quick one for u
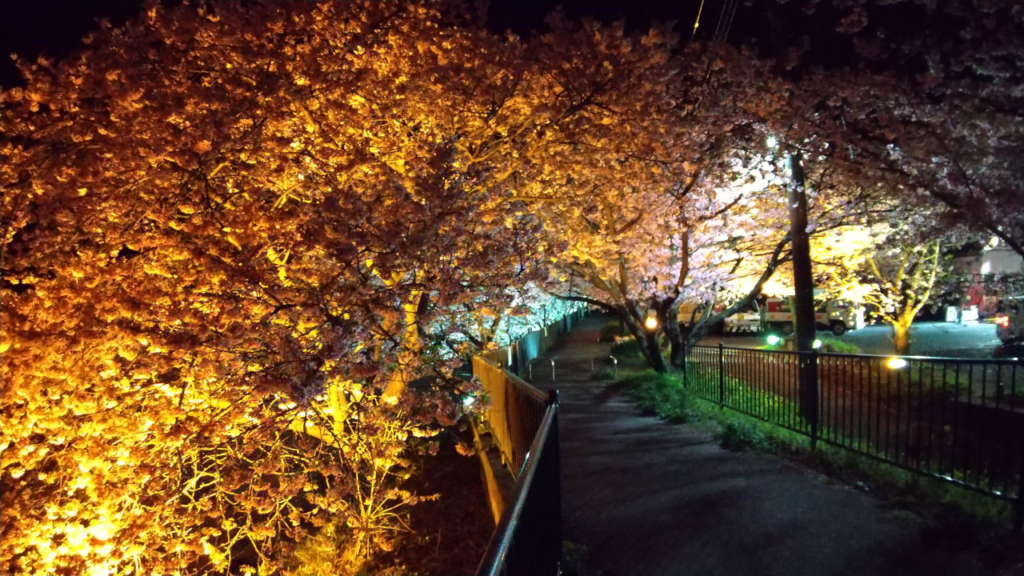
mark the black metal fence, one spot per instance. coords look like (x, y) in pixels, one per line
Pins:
(515, 413)
(958, 420)
(524, 424)
(516, 358)
(528, 538)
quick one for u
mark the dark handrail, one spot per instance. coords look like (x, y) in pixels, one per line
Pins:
(503, 539)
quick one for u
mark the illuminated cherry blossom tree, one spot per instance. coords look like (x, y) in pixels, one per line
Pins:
(224, 231)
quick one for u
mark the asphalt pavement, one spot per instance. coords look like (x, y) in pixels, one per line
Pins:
(646, 498)
(926, 339)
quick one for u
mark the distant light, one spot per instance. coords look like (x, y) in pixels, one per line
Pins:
(896, 363)
(816, 344)
(773, 142)
(468, 401)
(651, 323)
(773, 339)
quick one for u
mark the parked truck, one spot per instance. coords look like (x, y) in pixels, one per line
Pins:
(746, 320)
(839, 316)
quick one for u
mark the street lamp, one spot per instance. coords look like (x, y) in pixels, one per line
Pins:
(651, 323)
(896, 363)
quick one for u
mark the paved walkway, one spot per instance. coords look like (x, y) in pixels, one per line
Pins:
(647, 498)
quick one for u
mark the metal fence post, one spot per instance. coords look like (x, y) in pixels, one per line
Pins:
(816, 409)
(1018, 505)
(684, 363)
(553, 487)
(721, 375)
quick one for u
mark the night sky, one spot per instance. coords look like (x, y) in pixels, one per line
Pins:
(55, 27)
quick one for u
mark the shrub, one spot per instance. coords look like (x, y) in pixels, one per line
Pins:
(661, 395)
(627, 348)
(610, 330)
(834, 346)
(741, 436)
(604, 374)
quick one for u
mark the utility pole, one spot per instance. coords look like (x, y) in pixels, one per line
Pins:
(803, 301)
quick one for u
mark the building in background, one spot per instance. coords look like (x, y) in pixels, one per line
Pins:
(988, 273)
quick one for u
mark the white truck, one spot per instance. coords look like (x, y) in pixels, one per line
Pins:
(839, 316)
(746, 320)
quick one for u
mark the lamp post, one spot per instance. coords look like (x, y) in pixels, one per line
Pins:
(651, 323)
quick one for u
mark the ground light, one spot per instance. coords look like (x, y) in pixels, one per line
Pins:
(651, 323)
(896, 363)
(773, 339)
(816, 344)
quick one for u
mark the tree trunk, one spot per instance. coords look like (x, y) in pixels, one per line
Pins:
(648, 340)
(699, 331)
(654, 351)
(675, 340)
(901, 335)
(668, 318)
(803, 288)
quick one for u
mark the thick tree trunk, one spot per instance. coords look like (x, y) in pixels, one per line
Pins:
(803, 288)
(648, 339)
(701, 329)
(676, 342)
(654, 351)
(901, 334)
(668, 319)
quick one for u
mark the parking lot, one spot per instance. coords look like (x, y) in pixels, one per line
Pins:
(927, 339)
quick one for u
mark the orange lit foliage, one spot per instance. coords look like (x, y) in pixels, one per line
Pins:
(224, 233)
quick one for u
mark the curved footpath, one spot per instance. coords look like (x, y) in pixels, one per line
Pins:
(646, 498)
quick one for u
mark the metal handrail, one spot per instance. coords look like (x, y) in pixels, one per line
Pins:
(519, 382)
(493, 562)
(615, 363)
(529, 368)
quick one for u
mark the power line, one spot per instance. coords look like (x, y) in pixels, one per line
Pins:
(732, 15)
(721, 19)
(725, 18)
(696, 23)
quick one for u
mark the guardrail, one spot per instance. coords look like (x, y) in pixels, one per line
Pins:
(517, 356)
(615, 364)
(515, 412)
(524, 423)
(957, 420)
(529, 368)
(528, 538)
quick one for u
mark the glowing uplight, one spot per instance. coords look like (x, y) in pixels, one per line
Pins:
(468, 401)
(773, 339)
(651, 323)
(896, 363)
(816, 344)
